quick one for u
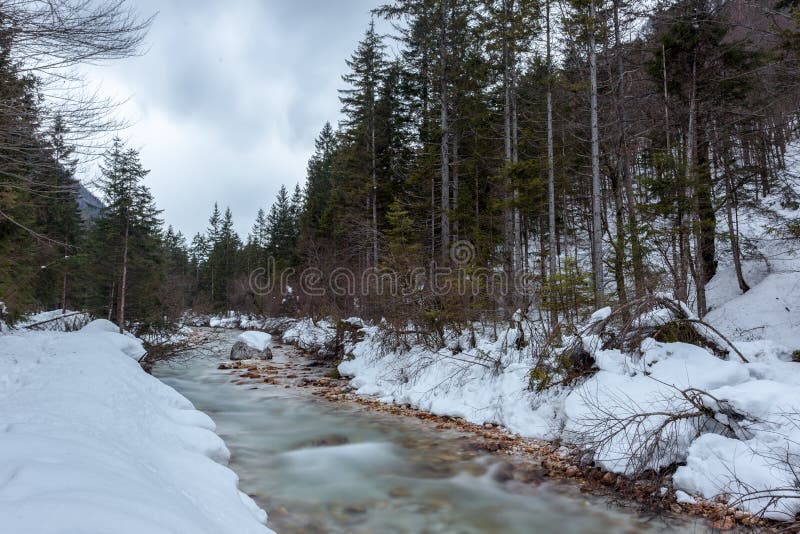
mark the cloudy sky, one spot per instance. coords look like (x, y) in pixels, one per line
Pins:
(229, 97)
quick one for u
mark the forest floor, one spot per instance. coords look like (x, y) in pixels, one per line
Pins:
(525, 460)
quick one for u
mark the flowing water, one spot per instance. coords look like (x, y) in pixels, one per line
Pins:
(319, 466)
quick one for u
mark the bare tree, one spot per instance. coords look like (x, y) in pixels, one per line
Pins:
(45, 41)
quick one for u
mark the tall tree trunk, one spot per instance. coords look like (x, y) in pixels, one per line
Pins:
(123, 280)
(619, 242)
(508, 214)
(374, 184)
(597, 230)
(445, 139)
(551, 182)
(519, 257)
(624, 164)
(64, 281)
(456, 179)
(691, 171)
(731, 205)
(680, 247)
(706, 215)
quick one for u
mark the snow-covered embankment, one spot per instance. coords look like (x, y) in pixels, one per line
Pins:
(90, 443)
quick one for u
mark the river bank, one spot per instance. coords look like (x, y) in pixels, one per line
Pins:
(522, 462)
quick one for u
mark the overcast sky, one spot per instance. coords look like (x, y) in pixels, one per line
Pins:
(229, 97)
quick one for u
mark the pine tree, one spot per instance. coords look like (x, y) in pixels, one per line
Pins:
(359, 102)
(125, 239)
(282, 230)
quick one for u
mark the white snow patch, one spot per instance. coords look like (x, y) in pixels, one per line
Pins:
(92, 444)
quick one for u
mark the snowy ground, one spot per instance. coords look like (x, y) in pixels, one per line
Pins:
(761, 458)
(92, 444)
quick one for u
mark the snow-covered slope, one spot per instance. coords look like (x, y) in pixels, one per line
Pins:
(771, 267)
(90, 443)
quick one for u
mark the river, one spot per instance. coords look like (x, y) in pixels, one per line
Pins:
(321, 466)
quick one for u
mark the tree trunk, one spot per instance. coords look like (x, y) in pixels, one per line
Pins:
(624, 164)
(374, 185)
(551, 187)
(619, 242)
(706, 216)
(518, 255)
(731, 205)
(64, 282)
(445, 140)
(597, 231)
(123, 280)
(456, 178)
(509, 209)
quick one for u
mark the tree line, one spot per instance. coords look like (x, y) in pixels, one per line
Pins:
(599, 149)
(604, 150)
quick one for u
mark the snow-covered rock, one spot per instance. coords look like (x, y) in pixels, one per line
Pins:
(92, 444)
(255, 339)
(243, 351)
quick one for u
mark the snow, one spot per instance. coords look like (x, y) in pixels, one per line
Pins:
(257, 340)
(771, 268)
(455, 385)
(109, 332)
(92, 444)
(719, 465)
(309, 335)
(770, 310)
(489, 384)
(56, 320)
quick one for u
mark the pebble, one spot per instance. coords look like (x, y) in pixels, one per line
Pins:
(609, 478)
(572, 471)
(726, 523)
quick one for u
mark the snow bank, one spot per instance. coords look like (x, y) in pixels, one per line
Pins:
(257, 340)
(92, 444)
(469, 384)
(56, 320)
(308, 335)
(489, 384)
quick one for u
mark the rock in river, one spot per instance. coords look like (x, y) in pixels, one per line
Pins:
(242, 351)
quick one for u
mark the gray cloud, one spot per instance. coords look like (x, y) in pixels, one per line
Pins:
(229, 97)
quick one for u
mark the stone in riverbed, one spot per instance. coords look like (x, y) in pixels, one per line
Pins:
(503, 472)
(242, 351)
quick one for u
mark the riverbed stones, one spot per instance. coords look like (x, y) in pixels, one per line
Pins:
(503, 472)
(242, 351)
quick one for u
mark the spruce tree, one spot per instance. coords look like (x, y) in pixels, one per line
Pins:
(125, 242)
